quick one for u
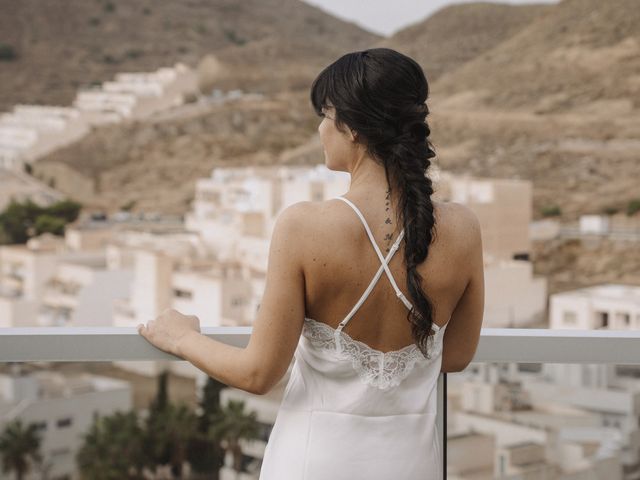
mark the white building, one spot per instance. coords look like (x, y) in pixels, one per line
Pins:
(606, 306)
(513, 296)
(63, 408)
(35, 130)
(540, 429)
(137, 95)
(82, 292)
(32, 131)
(46, 283)
(235, 209)
(594, 224)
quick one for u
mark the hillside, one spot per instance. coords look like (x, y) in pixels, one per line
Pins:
(457, 34)
(556, 102)
(156, 163)
(61, 45)
(582, 56)
(493, 115)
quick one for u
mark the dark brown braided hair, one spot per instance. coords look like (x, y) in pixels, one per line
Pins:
(380, 94)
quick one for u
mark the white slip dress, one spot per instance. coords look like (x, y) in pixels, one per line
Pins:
(352, 412)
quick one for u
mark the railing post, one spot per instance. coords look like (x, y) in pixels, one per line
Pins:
(441, 420)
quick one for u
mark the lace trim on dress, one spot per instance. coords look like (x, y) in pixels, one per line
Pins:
(379, 369)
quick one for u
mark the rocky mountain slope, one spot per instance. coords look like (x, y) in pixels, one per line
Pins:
(460, 33)
(53, 47)
(545, 93)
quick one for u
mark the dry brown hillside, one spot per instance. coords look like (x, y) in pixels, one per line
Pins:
(457, 34)
(555, 103)
(581, 155)
(582, 56)
(61, 45)
(544, 93)
(155, 163)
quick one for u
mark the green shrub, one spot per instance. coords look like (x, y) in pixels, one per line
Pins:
(550, 211)
(128, 206)
(108, 58)
(65, 209)
(7, 52)
(233, 37)
(47, 223)
(610, 210)
(20, 221)
(633, 206)
(134, 53)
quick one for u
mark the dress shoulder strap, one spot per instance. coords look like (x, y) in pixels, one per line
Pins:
(383, 262)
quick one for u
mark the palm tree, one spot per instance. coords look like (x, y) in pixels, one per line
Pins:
(112, 448)
(206, 456)
(158, 447)
(17, 446)
(230, 425)
(181, 426)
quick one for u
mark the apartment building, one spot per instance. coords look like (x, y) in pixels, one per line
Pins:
(514, 297)
(606, 306)
(32, 131)
(63, 408)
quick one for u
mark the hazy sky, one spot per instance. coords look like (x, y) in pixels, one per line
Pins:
(386, 16)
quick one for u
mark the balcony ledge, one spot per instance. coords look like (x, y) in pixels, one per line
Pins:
(101, 344)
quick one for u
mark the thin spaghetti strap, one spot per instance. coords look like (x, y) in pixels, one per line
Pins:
(372, 284)
(399, 293)
(366, 293)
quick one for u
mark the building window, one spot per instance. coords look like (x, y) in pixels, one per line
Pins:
(182, 293)
(40, 426)
(623, 318)
(569, 317)
(602, 319)
(60, 451)
(237, 301)
(64, 422)
(530, 367)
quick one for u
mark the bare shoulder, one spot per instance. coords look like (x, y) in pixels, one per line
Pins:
(293, 221)
(460, 221)
(299, 220)
(296, 212)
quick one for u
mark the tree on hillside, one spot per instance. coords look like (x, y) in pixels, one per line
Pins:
(49, 224)
(21, 220)
(65, 209)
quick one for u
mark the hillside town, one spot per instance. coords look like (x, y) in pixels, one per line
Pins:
(119, 267)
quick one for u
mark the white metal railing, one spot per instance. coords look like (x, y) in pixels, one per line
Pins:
(63, 344)
(67, 344)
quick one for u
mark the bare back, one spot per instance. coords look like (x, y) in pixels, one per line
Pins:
(341, 262)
